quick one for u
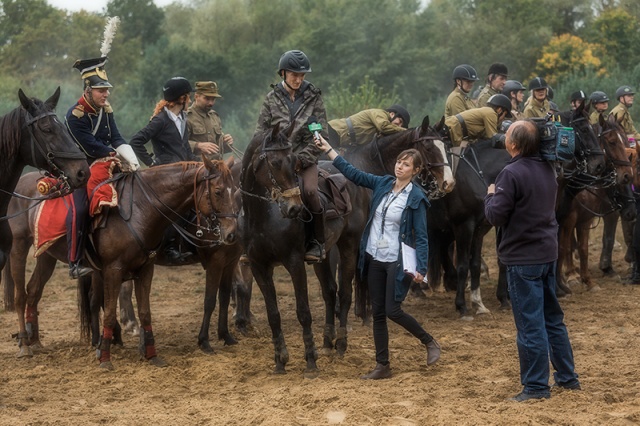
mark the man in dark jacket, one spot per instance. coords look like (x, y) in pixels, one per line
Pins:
(522, 204)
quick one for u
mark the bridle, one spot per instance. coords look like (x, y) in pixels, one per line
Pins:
(213, 219)
(46, 150)
(578, 178)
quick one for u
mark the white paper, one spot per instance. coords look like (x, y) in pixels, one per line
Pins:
(409, 259)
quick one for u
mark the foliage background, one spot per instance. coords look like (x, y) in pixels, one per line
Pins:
(364, 53)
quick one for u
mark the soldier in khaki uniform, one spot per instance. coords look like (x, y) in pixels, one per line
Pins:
(514, 90)
(496, 79)
(538, 103)
(625, 95)
(464, 76)
(600, 103)
(480, 123)
(204, 125)
(362, 127)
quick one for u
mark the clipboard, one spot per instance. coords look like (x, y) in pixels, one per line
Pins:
(409, 259)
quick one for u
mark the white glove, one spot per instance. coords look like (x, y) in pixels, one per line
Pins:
(126, 152)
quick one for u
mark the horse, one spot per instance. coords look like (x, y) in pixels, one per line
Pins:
(31, 134)
(344, 233)
(125, 243)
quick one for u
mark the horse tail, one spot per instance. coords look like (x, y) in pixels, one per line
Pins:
(84, 306)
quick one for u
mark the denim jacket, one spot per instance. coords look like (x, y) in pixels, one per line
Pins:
(413, 227)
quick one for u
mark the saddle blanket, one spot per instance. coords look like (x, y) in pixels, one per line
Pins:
(51, 215)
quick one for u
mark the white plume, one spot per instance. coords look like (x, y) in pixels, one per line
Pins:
(109, 34)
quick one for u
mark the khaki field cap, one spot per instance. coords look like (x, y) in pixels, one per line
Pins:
(207, 88)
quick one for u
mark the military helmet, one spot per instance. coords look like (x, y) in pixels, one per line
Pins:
(512, 86)
(501, 100)
(578, 96)
(465, 72)
(624, 90)
(93, 73)
(538, 83)
(599, 96)
(498, 68)
(401, 111)
(294, 61)
(176, 87)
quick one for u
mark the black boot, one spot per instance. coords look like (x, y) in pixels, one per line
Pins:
(634, 278)
(315, 248)
(76, 270)
(173, 255)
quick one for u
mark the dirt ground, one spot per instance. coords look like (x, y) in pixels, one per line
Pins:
(62, 383)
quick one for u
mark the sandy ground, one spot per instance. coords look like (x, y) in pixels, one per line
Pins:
(62, 383)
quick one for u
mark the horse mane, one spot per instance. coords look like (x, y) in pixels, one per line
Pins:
(10, 135)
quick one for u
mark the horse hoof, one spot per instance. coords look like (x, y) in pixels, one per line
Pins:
(594, 288)
(311, 374)
(505, 306)
(156, 361)
(326, 351)
(206, 348)
(230, 341)
(279, 371)
(25, 352)
(483, 311)
(107, 365)
(466, 317)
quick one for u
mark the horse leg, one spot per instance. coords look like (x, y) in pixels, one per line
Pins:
(17, 263)
(564, 250)
(463, 249)
(242, 286)
(9, 289)
(450, 276)
(627, 233)
(226, 288)
(264, 277)
(45, 266)
(147, 346)
(112, 281)
(299, 279)
(127, 313)
(608, 240)
(475, 267)
(329, 290)
(583, 250)
(348, 264)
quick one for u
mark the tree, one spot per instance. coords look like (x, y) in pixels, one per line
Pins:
(141, 19)
(566, 54)
(619, 34)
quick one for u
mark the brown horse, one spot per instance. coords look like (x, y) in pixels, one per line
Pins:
(150, 200)
(32, 135)
(609, 194)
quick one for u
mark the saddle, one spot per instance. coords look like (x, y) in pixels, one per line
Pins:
(335, 199)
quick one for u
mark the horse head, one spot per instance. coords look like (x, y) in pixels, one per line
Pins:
(434, 153)
(45, 142)
(215, 202)
(588, 149)
(613, 137)
(273, 168)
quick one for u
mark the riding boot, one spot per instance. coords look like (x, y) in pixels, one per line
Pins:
(173, 254)
(76, 270)
(634, 278)
(315, 248)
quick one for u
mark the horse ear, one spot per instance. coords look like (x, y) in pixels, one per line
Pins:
(425, 123)
(230, 161)
(25, 101)
(275, 131)
(438, 127)
(207, 163)
(52, 102)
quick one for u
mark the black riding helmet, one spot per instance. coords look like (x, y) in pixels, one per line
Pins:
(499, 69)
(624, 90)
(294, 61)
(578, 96)
(400, 111)
(538, 83)
(465, 72)
(599, 96)
(500, 100)
(176, 87)
(512, 86)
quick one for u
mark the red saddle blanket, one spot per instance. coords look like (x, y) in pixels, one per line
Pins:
(51, 215)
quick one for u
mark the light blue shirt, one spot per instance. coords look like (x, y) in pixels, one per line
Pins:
(389, 249)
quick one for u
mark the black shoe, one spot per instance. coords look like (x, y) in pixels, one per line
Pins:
(175, 257)
(522, 396)
(433, 352)
(315, 253)
(575, 386)
(380, 372)
(76, 271)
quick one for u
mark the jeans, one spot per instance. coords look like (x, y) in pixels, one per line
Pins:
(542, 334)
(382, 284)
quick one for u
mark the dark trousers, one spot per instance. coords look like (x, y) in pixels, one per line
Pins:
(542, 334)
(382, 283)
(77, 220)
(636, 233)
(310, 196)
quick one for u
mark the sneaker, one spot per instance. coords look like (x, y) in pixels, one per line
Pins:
(76, 271)
(523, 396)
(315, 253)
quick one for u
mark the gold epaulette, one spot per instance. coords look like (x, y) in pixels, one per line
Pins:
(78, 111)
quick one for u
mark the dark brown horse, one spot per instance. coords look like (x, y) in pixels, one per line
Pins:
(344, 233)
(150, 200)
(32, 135)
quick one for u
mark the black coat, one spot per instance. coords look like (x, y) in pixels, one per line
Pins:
(168, 146)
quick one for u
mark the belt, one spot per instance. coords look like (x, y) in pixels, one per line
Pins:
(352, 133)
(463, 125)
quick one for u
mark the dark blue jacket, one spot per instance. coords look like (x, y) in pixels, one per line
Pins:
(523, 206)
(82, 119)
(413, 229)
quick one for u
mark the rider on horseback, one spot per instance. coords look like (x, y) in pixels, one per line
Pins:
(480, 123)
(538, 104)
(464, 76)
(362, 127)
(496, 79)
(600, 103)
(514, 90)
(625, 95)
(291, 103)
(91, 123)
